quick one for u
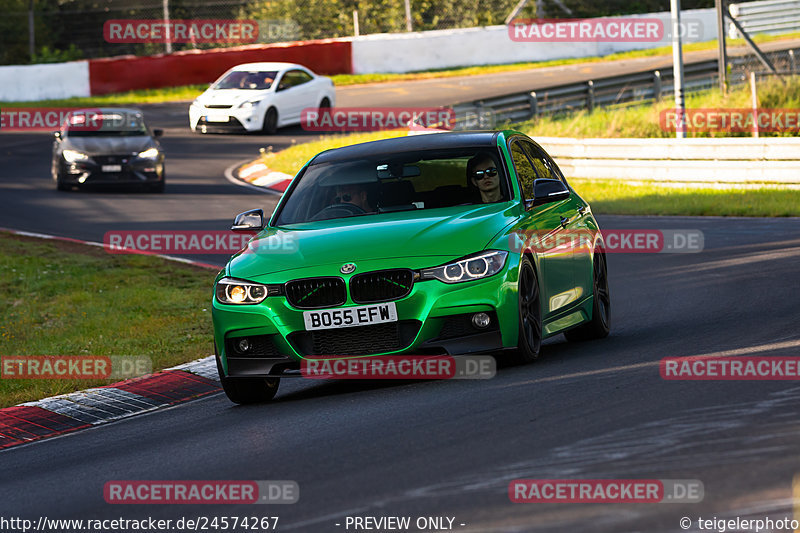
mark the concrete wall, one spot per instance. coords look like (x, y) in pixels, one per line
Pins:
(405, 52)
(43, 82)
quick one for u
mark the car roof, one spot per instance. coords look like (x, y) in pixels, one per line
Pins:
(130, 110)
(400, 145)
(275, 65)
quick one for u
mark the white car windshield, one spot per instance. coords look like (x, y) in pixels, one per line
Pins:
(252, 80)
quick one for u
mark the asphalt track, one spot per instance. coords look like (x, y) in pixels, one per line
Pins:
(589, 410)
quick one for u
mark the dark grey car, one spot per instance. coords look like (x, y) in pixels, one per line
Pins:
(108, 146)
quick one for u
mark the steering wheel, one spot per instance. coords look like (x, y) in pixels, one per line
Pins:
(331, 211)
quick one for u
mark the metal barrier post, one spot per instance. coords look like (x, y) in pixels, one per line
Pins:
(657, 85)
(533, 101)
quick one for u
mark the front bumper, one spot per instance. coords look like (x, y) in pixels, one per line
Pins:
(131, 171)
(236, 119)
(435, 318)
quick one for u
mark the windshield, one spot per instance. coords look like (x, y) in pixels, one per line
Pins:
(397, 182)
(253, 80)
(105, 124)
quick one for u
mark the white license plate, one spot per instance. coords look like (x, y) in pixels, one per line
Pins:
(345, 317)
(112, 168)
(217, 118)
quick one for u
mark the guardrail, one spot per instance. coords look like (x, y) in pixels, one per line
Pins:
(627, 89)
(765, 16)
(734, 160)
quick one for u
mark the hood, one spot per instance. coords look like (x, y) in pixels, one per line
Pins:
(110, 145)
(448, 232)
(231, 97)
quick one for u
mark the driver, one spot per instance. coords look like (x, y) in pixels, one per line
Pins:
(354, 194)
(482, 174)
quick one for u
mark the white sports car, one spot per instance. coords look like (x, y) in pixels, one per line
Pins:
(260, 97)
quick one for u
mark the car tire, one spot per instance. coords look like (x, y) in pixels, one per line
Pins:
(158, 187)
(270, 125)
(324, 104)
(247, 390)
(529, 343)
(61, 186)
(600, 324)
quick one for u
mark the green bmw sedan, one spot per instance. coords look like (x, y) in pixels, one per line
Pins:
(451, 243)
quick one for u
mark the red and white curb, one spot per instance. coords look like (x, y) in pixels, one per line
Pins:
(66, 413)
(256, 175)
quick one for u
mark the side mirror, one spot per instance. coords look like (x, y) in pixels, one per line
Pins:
(252, 220)
(546, 191)
(158, 132)
(57, 135)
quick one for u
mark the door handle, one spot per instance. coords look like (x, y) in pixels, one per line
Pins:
(564, 222)
(582, 210)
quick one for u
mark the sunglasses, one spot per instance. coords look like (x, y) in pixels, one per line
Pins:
(346, 197)
(487, 173)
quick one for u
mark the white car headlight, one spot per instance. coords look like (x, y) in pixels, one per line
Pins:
(72, 156)
(249, 104)
(472, 267)
(150, 153)
(236, 292)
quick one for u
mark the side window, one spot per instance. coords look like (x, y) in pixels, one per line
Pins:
(286, 82)
(525, 172)
(302, 77)
(545, 167)
(293, 78)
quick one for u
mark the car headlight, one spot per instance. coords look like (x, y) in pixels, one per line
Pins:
(249, 104)
(71, 156)
(150, 153)
(232, 291)
(477, 266)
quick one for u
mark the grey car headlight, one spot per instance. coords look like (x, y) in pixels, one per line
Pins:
(249, 104)
(238, 292)
(150, 153)
(71, 156)
(472, 267)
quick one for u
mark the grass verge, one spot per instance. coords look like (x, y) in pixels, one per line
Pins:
(190, 92)
(644, 120)
(292, 159)
(618, 197)
(61, 298)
